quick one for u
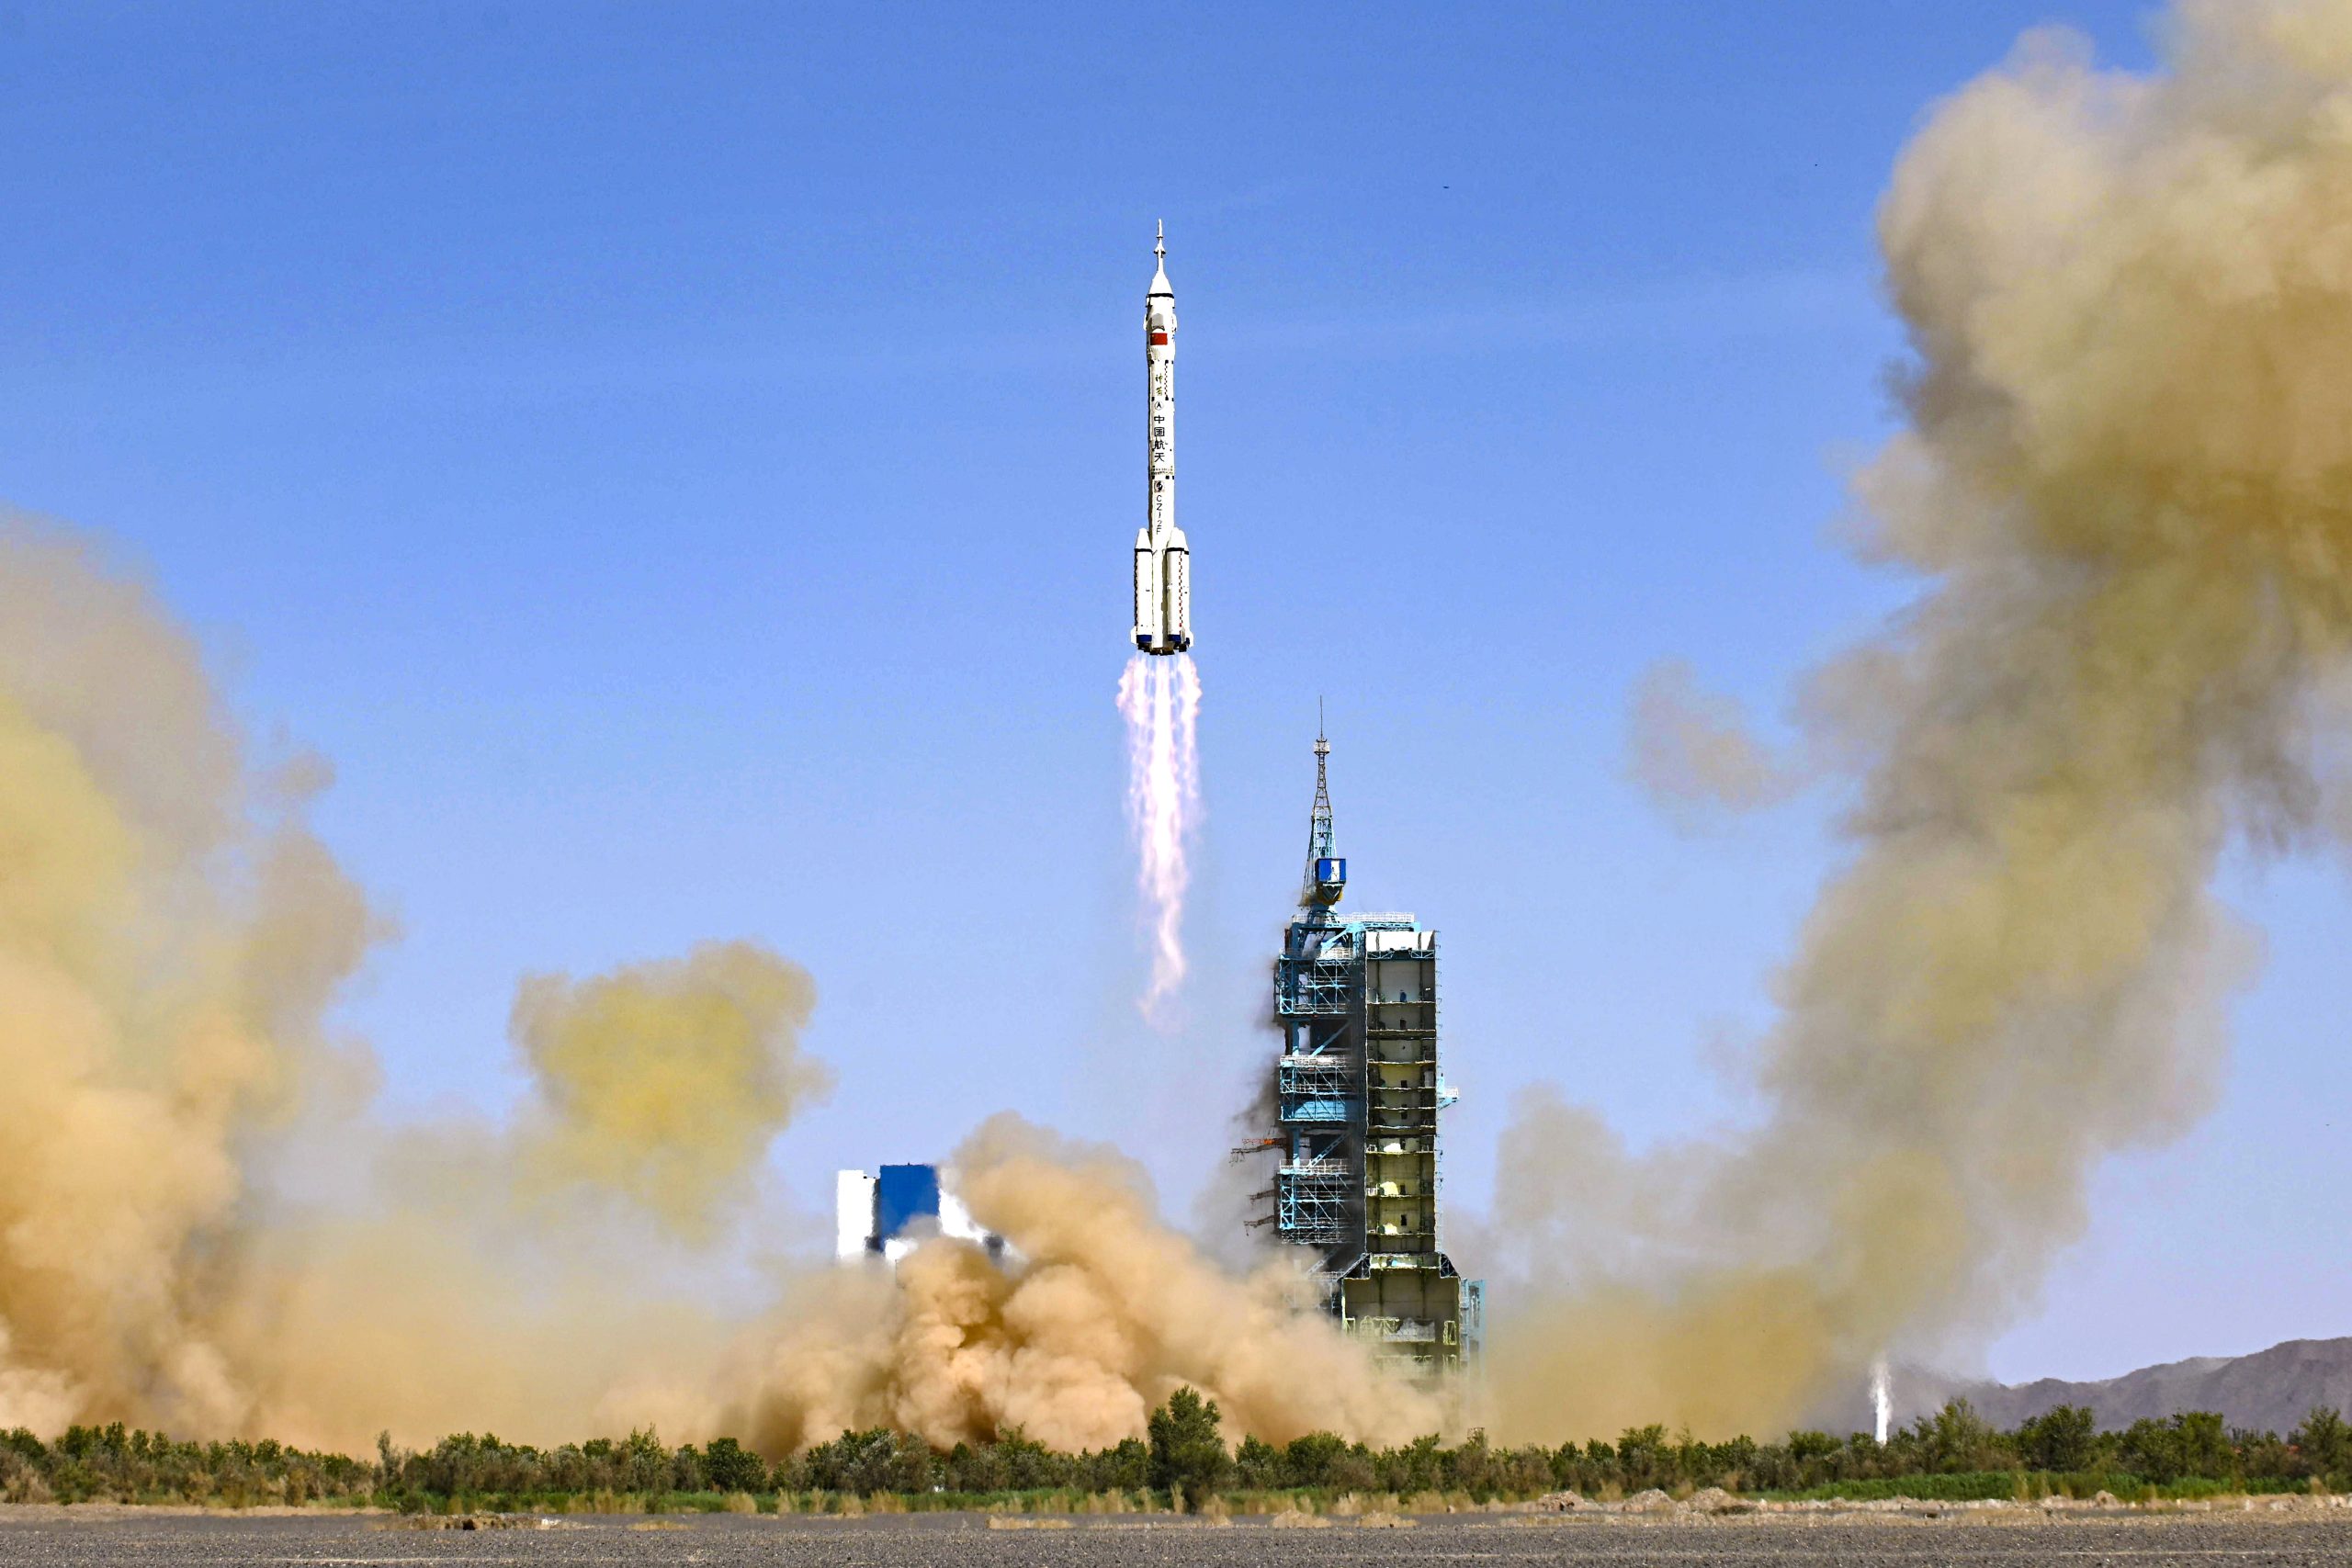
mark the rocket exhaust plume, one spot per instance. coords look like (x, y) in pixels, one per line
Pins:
(1161, 699)
(2126, 486)
(1882, 1399)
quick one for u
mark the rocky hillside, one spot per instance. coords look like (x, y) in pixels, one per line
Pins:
(2270, 1389)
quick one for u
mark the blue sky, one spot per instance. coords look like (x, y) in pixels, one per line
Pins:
(679, 462)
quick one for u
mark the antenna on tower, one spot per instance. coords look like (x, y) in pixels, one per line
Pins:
(1320, 841)
(1327, 874)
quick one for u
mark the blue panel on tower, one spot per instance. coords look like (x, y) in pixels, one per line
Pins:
(1330, 869)
(903, 1194)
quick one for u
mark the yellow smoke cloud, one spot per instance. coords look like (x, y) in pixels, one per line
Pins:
(1692, 751)
(550, 1279)
(201, 1226)
(171, 937)
(667, 1082)
(1103, 1314)
(164, 945)
(2128, 481)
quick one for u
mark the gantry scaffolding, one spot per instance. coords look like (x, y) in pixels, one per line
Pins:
(1358, 1094)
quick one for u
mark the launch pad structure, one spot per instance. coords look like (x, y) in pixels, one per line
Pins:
(1358, 1091)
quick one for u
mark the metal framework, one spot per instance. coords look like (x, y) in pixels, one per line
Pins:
(1312, 984)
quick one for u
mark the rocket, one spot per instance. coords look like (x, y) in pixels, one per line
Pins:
(1163, 564)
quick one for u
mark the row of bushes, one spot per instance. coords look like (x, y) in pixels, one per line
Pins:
(1952, 1453)
(106, 1462)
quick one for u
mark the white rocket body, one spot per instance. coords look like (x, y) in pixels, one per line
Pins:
(1163, 564)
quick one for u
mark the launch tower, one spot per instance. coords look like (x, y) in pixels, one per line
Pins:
(1359, 1093)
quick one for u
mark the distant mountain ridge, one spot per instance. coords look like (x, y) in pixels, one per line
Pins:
(2270, 1390)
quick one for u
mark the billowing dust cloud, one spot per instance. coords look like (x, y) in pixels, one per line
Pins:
(2127, 481)
(1692, 750)
(667, 1080)
(204, 1228)
(1106, 1314)
(167, 938)
(558, 1275)
(170, 937)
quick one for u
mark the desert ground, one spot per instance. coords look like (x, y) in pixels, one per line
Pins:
(88, 1536)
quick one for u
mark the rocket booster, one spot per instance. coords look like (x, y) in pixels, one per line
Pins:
(1163, 564)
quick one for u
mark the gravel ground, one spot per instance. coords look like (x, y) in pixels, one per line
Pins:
(147, 1538)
